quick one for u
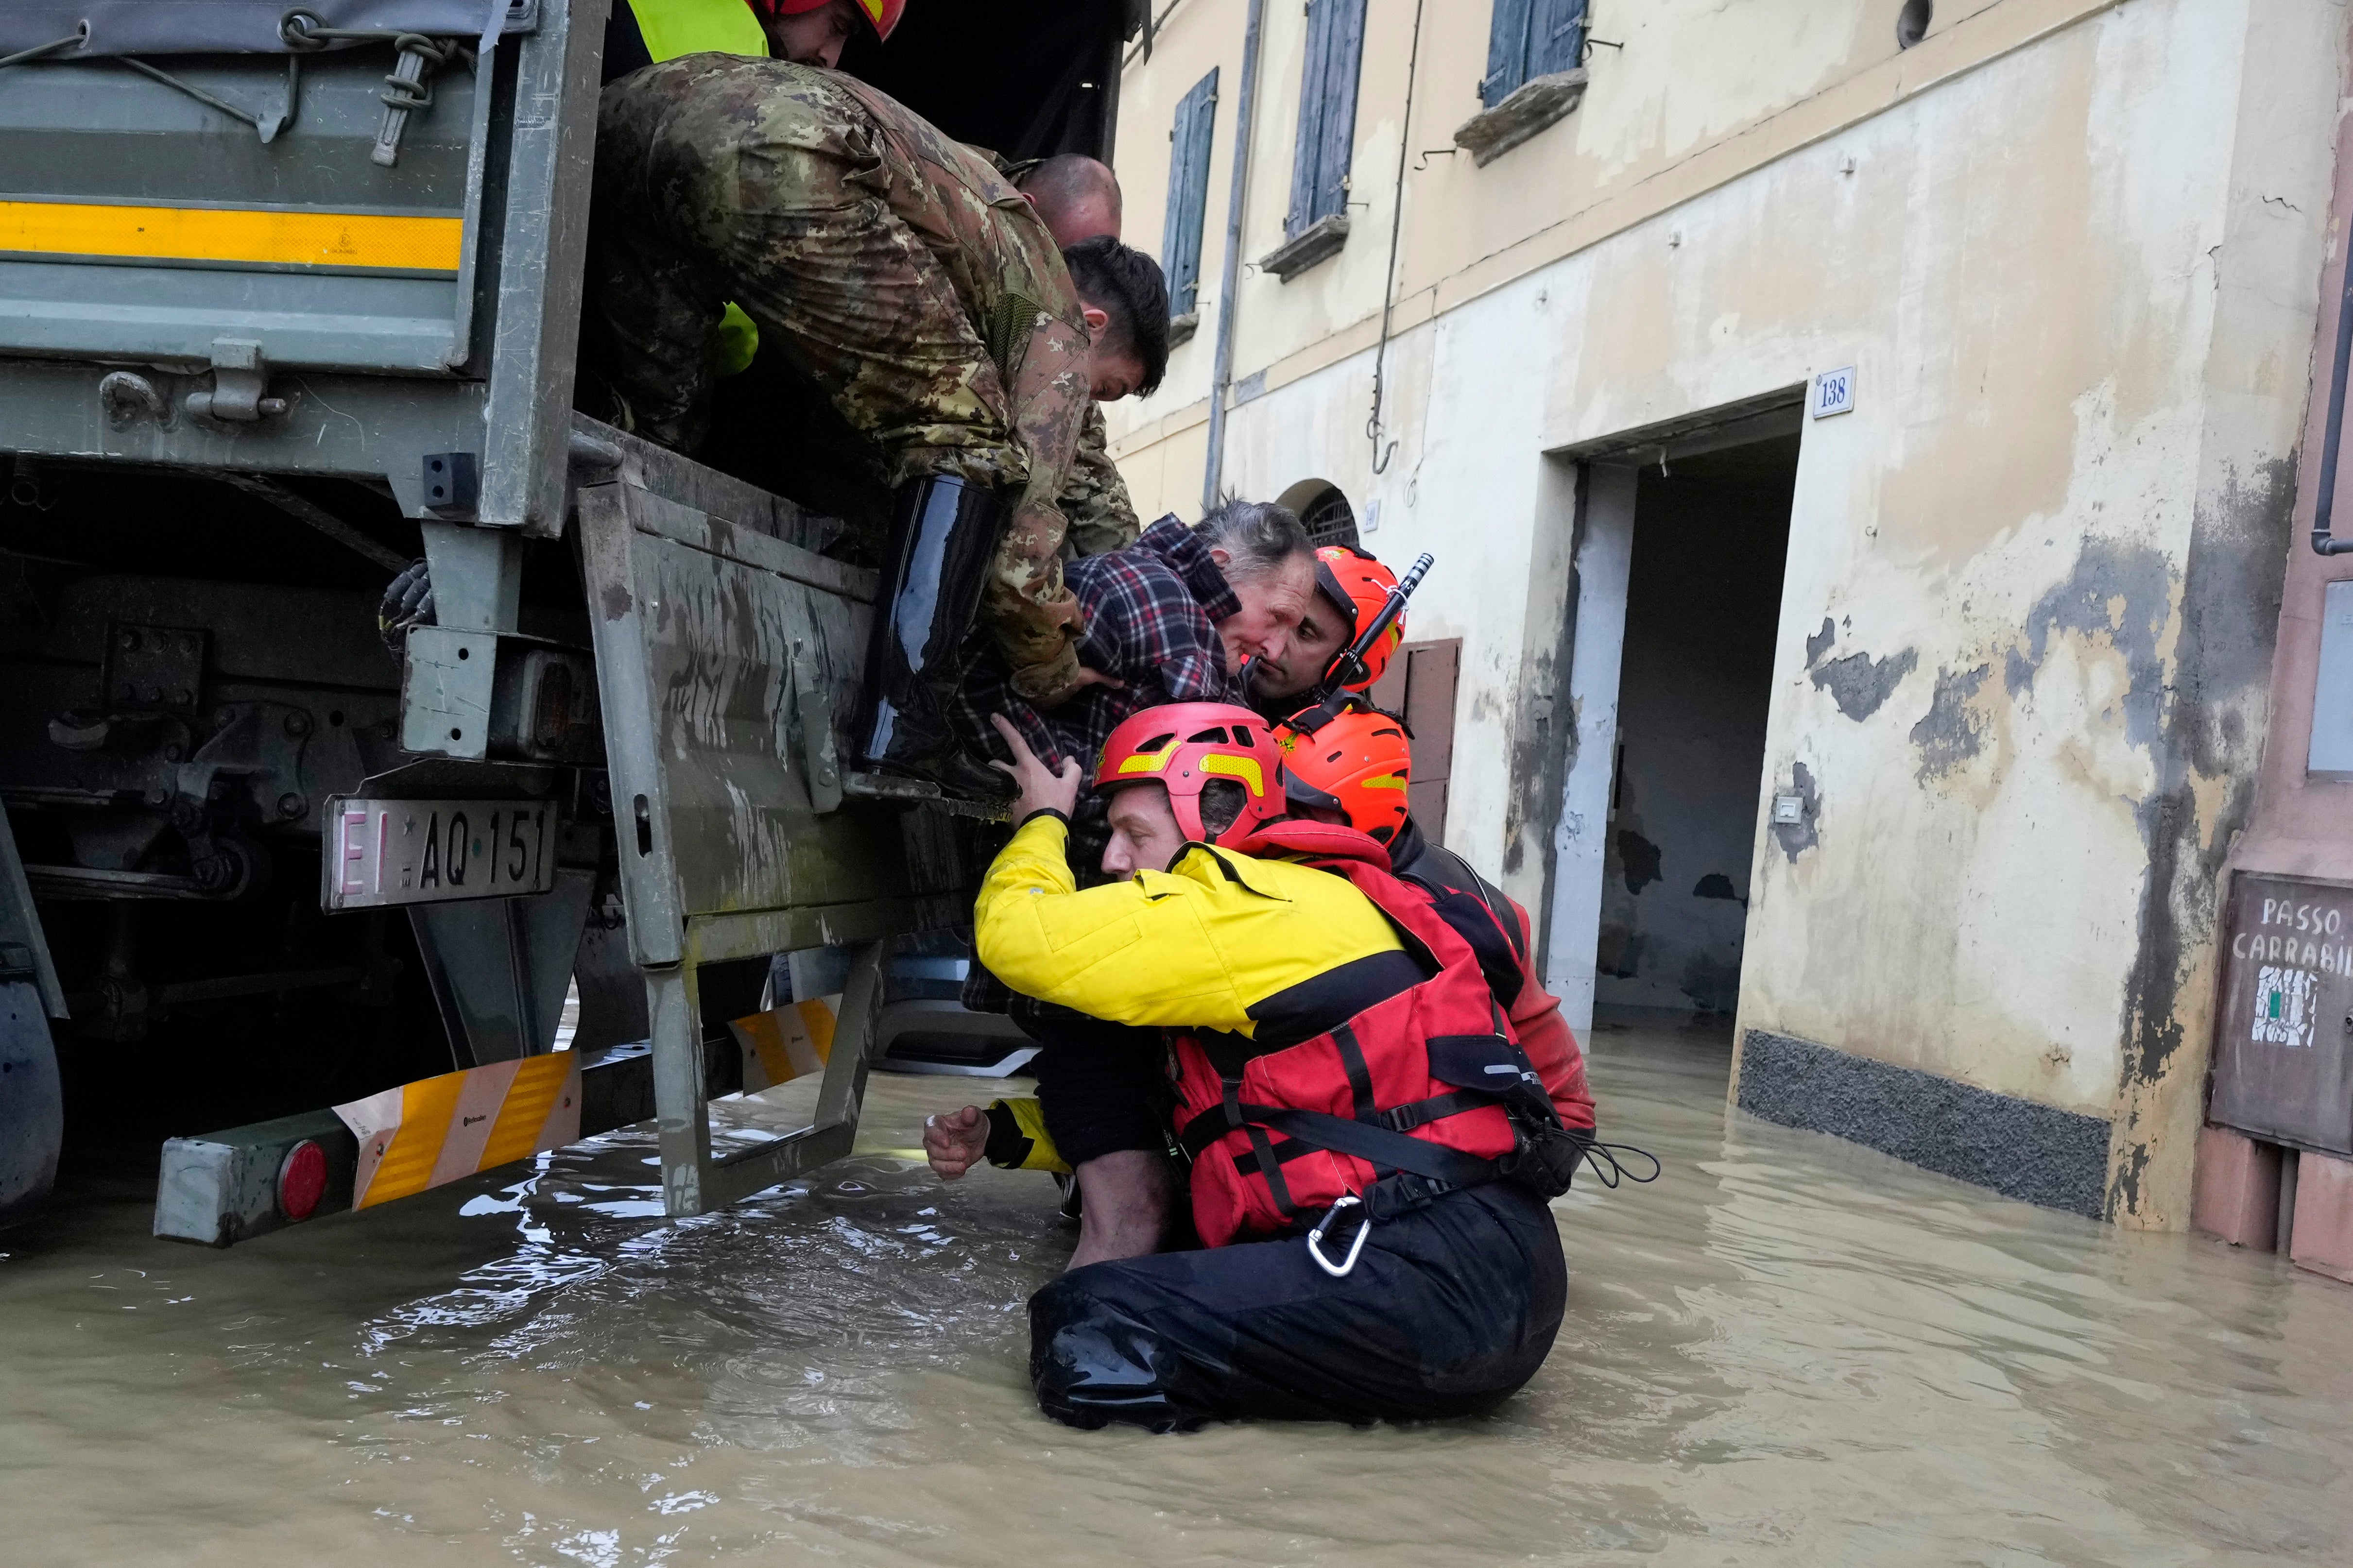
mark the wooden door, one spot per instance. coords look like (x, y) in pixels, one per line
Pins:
(1420, 684)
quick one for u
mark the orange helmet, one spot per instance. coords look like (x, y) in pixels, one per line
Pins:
(1186, 745)
(883, 15)
(1359, 585)
(1349, 757)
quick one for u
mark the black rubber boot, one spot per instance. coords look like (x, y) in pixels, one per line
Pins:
(943, 533)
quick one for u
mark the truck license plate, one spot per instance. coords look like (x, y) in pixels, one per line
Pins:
(381, 852)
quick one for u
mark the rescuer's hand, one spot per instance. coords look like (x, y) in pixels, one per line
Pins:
(1079, 682)
(955, 1142)
(1037, 787)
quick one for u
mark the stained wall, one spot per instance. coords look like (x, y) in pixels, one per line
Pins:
(2074, 251)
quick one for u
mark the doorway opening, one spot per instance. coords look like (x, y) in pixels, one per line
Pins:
(1710, 536)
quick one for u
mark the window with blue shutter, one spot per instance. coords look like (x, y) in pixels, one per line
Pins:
(1188, 195)
(1530, 38)
(1327, 112)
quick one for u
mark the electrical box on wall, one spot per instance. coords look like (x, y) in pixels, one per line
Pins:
(2332, 695)
(2284, 1028)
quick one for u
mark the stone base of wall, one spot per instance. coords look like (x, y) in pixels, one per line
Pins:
(2235, 1193)
(2035, 1154)
(2321, 1238)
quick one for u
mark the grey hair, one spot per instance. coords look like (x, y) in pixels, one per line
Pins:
(1258, 536)
(1221, 804)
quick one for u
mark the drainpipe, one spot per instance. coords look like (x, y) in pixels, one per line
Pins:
(2324, 506)
(1396, 229)
(1222, 381)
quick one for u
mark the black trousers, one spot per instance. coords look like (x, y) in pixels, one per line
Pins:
(1448, 1309)
(1101, 1087)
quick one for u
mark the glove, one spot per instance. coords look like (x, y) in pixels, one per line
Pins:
(1018, 1138)
(407, 602)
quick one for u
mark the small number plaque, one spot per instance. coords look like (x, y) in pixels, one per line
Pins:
(1833, 393)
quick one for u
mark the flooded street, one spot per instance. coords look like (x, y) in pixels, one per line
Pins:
(1788, 1350)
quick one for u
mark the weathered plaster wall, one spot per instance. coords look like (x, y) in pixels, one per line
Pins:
(2078, 279)
(1699, 94)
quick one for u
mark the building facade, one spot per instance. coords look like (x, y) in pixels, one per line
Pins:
(1860, 442)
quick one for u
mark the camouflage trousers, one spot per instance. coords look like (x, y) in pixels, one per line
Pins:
(900, 294)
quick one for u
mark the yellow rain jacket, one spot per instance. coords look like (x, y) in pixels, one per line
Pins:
(1210, 943)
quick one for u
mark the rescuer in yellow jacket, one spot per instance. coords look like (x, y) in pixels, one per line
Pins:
(1231, 939)
(1398, 1264)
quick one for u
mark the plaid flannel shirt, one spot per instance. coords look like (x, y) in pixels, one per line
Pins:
(1152, 614)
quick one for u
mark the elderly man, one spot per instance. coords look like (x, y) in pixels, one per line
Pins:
(1171, 618)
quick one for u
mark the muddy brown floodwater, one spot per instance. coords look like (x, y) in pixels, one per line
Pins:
(1789, 1351)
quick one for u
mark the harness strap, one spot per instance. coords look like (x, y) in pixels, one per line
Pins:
(1363, 1140)
(1272, 1170)
(1402, 1119)
(1422, 1112)
(1360, 1075)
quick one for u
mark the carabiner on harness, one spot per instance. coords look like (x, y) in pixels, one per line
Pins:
(1315, 1237)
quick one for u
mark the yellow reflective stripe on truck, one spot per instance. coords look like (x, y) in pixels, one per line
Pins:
(295, 237)
(436, 1130)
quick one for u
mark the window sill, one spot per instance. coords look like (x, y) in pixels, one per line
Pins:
(1322, 238)
(1532, 106)
(1182, 327)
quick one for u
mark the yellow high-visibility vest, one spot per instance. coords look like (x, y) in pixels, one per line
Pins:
(675, 28)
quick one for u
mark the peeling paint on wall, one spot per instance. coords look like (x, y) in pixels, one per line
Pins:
(1949, 734)
(1637, 858)
(1859, 684)
(1541, 753)
(1716, 885)
(2121, 593)
(2229, 615)
(1819, 642)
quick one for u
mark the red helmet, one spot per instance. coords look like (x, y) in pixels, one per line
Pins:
(1359, 585)
(1349, 757)
(883, 15)
(1185, 745)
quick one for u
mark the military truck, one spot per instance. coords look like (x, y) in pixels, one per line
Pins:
(289, 296)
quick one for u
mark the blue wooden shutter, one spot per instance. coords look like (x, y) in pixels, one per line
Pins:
(1188, 194)
(1507, 50)
(1556, 37)
(1328, 111)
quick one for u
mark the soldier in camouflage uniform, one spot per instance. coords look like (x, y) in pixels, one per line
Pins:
(911, 285)
(1078, 198)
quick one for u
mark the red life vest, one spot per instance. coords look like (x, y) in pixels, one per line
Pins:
(1279, 1135)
